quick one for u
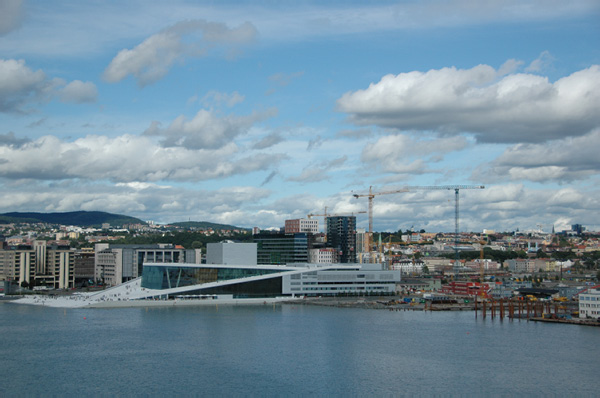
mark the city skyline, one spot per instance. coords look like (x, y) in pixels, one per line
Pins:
(250, 113)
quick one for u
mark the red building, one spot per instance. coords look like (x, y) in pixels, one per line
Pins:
(466, 289)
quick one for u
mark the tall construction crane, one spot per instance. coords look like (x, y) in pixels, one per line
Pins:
(318, 215)
(456, 189)
(371, 195)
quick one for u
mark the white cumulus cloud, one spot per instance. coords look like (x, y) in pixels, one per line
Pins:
(21, 88)
(517, 107)
(204, 130)
(125, 158)
(403, 154)
(79, 92)
(20, 85)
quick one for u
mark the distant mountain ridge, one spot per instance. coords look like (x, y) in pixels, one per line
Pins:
(97, 218)
(79, 218)
(204, 225)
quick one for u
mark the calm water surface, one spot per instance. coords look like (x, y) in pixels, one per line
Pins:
(289, 350)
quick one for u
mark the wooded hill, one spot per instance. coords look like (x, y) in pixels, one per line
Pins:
(79, 218)
(204, 225)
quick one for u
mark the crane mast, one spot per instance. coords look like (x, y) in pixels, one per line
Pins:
(371, 195)
(456, 189)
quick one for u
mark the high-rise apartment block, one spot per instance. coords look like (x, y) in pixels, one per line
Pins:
(341, 235)
(38, 264)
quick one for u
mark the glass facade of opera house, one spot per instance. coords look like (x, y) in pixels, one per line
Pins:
(269, 281)
(221, 280)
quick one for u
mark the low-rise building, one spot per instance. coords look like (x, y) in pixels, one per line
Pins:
(589, 303)
(307, 225)
(407, 286)
(409, 266)
(461, 288)
(323, 255)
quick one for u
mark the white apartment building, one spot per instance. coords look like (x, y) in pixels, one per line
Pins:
(408, 266)
(589, 304)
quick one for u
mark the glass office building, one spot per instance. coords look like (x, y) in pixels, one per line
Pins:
(280, 249)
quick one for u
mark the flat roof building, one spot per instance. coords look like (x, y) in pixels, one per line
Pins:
(307, 225)
(589, 303)
(231, 253)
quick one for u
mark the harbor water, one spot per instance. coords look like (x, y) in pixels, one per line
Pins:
(291, 349)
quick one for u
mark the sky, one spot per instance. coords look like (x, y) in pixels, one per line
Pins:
(253, 112)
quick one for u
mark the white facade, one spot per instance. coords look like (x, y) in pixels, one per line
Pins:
(231, 253)
(589, 304)
(409, 266)
(297, 279)
(334, 279)
(326, 255)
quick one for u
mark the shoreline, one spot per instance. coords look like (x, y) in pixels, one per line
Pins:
(77, 302)
(376, 303)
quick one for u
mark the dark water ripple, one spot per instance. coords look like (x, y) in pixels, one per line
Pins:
(288, 350)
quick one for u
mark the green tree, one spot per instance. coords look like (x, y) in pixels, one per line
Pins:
(564, 255)
(541, 254)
